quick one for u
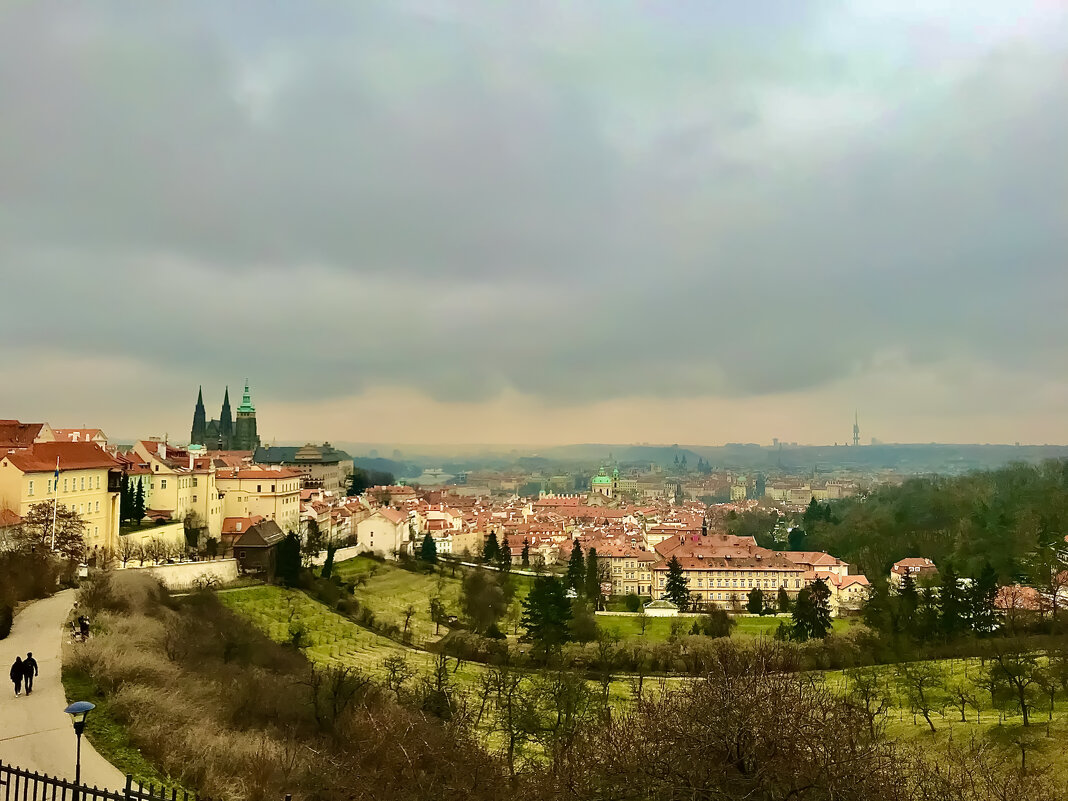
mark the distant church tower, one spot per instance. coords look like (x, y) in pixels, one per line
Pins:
(245, 437)
(856, 429)
(200, 421)
(226, 422)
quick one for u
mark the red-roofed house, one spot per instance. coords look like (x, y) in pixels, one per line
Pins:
(14, 434)
(88, 483)
(915, 566)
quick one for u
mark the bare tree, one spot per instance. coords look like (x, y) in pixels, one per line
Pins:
(398, 673)
(128, 549)
(868, 691)
(409, 613)
(1020, 672)
(924, 686)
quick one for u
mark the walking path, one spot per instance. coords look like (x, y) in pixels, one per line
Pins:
(35, 732)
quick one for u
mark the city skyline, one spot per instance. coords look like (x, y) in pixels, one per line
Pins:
(446, 223)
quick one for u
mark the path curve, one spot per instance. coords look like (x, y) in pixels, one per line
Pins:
(35, 732)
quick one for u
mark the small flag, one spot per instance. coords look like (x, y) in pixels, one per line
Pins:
(57, 468)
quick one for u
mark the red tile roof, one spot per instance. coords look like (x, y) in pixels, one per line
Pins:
(41, 457)
(9, 518)
(14, 434)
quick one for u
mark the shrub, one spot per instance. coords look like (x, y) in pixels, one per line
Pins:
(7, 615)
(633, 602)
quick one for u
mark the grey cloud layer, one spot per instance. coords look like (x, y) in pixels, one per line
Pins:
(577, 204)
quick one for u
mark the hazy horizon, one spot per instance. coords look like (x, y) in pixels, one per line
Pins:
(443, 222)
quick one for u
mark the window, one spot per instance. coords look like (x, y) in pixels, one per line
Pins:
(49, 486)
(194, 499)
(272, 487)
(83, 483)
(259, 487)
(30, 491)
(194, 481)
(98, 506)
(65, 487)
(98, 482)
(163, 483)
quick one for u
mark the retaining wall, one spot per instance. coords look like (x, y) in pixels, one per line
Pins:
(181, 575)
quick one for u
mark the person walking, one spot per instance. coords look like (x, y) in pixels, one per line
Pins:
(29, 670)
(16, 675)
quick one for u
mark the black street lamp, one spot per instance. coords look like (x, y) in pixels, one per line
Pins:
(78, 712)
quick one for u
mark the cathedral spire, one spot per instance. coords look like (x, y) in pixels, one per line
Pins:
(200, 422)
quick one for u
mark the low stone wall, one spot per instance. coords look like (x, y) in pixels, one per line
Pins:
(181, 575)
(340, 555)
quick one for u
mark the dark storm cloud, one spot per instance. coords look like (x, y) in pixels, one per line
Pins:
(577, 204)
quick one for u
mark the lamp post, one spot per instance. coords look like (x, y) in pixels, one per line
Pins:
(78, 712)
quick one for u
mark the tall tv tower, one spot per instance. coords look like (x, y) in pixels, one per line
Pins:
(856, 429)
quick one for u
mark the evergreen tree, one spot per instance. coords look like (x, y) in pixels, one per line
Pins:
(982, 616)
(783, 600)
(576, 570)
(755, 602)
(812, 514)
(139, 502)
(491, 548)
(428, 550)
(504, 555)
(878, 609)
(796, 539)
(927, 623)
(953, 603)
(287, 560)
(593, 579)
(910, 603)
(546, 613)
(126, 499)
(676, 588)
(812, 613)
(524, 557)
(328, 565)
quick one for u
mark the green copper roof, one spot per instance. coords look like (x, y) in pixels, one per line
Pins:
(246, 402)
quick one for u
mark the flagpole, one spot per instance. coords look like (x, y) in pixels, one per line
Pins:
(55, 503)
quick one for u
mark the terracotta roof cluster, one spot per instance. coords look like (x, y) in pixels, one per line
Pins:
(41, 457)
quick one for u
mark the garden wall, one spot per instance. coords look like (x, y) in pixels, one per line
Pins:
(180, 576)
(340, 555)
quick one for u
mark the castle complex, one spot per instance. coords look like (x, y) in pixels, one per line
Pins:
(226, 434)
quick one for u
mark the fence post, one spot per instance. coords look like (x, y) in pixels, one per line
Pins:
(129, 786)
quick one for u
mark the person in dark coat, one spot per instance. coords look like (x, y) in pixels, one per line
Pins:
(16, 675)
(29, 670)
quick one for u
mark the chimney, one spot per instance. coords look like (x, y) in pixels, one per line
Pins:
(161, 448)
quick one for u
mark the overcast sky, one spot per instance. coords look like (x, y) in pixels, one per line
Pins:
(432, 221)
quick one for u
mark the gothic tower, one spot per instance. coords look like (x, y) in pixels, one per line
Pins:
(226, 423)
(856, 429)
(200, 421)
(245, 437)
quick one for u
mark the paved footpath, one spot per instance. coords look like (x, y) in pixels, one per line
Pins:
(35, 732)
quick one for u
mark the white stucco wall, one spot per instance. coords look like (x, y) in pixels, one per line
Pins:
(181, 576)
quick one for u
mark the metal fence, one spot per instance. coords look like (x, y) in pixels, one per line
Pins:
(17, 784)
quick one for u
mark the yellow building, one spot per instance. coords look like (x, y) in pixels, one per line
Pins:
(269, 492)
(176, 484)
(726, 581)
(630, 567)
(88, 484)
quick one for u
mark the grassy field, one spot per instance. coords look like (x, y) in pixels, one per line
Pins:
(658, 629)
(332, 639)
(389, 590)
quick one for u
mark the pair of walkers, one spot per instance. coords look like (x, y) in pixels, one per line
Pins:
(23, 670)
